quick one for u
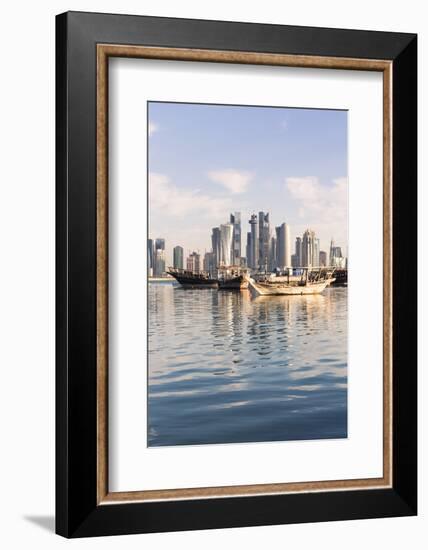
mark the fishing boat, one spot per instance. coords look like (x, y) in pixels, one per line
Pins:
(306, 281)
(232, 278)
(192, 279)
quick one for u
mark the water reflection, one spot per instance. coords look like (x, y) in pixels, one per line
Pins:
(224, 367)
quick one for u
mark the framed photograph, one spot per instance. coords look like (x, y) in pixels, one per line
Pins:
(236, 274)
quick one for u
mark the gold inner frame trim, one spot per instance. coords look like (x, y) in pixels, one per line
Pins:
(104, 51)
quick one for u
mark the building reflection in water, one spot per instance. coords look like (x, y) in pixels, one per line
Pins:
(224, 367)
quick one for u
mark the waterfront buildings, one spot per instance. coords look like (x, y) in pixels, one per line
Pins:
(209, 264)
(254, 242)
(308, 248)
(283, 254)
(316, 255)
(226, 237)
(150, 258)
(178, 254)
(310, 251)
(193, 262)
(160, 244)
(264, 239)
(264, 249)
(298, 252)
(235, 220)
(215, 243)
(156, 258)
(159, 263)
(336, 257)
(248, 250)
(273, 257)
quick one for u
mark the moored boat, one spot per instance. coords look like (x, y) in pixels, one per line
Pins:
(232, 278)
(239, 282)
(309, 281)
(191, 279)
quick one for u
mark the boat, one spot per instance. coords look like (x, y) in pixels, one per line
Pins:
(192, 279)
(232, 278)
(341, 277)
(307, 281)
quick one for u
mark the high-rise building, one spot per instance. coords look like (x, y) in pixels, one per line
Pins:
(273, 253)
(254, 242)
(283, 254)
(235, 220)
(193, 262)
(316, 253)
(160, 244)
(159, 263)
(336, 257)
(308, 248)
(209, 265)
(298, 252)
(178, 253)
(248, 250)
(215, 242)
(264, 239)
(150, 258)
(226, 235)
(323, 258)
(295, 261)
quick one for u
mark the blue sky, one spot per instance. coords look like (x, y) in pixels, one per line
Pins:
(206, 161)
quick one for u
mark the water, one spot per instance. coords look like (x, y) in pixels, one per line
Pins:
(227, 368)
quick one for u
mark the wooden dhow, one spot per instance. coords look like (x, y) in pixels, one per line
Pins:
(232, 278)
(191, 279)
(307, 281)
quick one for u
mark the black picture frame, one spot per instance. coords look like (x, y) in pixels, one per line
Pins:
(77, 511)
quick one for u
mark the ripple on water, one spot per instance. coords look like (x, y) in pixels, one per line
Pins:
(226, 368)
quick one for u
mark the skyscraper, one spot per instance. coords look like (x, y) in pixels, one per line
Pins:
(316, 253)
(298, 252)
(158, 257)
(226, 235)
(323, 258)
(248, 250)
(159, 262)
(254, 242)
(215, 242)
(308, 248)
(209, 266)
(264, 238)
(273, 253)
(283, 255)
(178, 257)
(160, 244)
(150, 258)
(336, 258)
(235, 220)
(193, 262)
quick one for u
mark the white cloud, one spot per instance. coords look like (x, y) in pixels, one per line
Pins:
(234, 181)
(166, 197)
(324, 207)
(153, 127)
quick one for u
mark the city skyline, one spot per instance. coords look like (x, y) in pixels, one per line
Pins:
(267, 246)
(207, 161)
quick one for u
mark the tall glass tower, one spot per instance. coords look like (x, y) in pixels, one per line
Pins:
(283, 247)
(254, 242)
(226, 236)
(264, 238)
(235, 220)
(178, 257)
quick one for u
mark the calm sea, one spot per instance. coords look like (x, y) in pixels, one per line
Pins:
(226, 368)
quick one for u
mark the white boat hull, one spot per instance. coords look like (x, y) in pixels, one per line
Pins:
(278, 289)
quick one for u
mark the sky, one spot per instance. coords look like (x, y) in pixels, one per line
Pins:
(207, 161)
